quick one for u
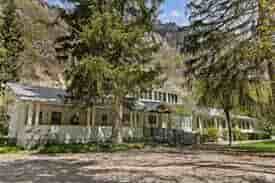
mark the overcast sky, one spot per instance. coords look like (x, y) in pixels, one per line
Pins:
(172, 11)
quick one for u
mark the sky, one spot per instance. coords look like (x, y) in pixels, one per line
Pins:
(174, 11)
(171, 11)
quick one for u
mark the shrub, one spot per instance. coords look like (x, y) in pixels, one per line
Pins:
(210, 135)
(264, 136)
(259, 136)
(239, 136)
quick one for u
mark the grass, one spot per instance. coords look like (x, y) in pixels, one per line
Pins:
(89, 148)
(7, 149)
(258, 147)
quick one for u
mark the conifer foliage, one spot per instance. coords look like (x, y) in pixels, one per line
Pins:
(109, 51)
(11, 44)
(229, 43)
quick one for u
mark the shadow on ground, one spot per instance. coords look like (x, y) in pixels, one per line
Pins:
(135, 168)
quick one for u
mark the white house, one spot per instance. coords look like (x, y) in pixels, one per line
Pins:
(39, 114)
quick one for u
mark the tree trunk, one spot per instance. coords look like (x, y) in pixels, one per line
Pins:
(117, 124)
(228, 120)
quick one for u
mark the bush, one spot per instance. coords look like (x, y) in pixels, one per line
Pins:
(210, 135)
(264, 136)
(259, 136)
(239, 136)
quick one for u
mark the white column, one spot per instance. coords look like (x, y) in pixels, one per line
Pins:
(37, 112)
(30, 114)
(153, 95)
(131, 119)
(220, 125)
(89, 117)
(216, 123)
(93, 115)
(200, 124)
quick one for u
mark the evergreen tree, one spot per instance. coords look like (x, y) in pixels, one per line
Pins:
(229, 41)
(11, 44)
(110, 49)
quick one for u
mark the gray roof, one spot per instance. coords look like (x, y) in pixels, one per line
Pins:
(36, 93)
(57, 96)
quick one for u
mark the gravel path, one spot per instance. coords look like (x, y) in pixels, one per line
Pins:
(137, 167)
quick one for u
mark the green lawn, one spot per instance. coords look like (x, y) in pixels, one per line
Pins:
(258, 147)
(10, 149)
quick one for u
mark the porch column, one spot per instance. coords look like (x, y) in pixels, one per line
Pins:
(135, 120)
(30, 114)
(220, 125)
(132, 119)
(37, 113)
(200, 124)
(216, 123)
(89, 117)
(93, 115)
(142, 120)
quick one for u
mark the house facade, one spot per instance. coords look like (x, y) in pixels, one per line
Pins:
(39, 114)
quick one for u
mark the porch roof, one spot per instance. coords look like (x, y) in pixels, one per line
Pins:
(58, 96)
(213, 112)
(36, 93)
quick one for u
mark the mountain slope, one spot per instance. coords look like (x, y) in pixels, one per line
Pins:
(39, 65)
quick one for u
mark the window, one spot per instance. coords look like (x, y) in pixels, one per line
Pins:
(150, 95)
(159, 96)
(41, 118)
(126, 119)
(137, 118)
(247, 125)
(56, 118)
(75, 119)
(176, 99)
(155, 95)
(104, 120)
(152, 120)
(164, 97)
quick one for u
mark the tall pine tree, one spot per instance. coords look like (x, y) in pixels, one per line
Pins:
(109, 51)
(229, 41)
(11, 44)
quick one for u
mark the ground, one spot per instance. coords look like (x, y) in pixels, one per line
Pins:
(146, 166)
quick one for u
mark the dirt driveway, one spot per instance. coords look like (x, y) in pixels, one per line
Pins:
(138, 167)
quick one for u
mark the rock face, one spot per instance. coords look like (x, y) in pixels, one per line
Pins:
(39, 65)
